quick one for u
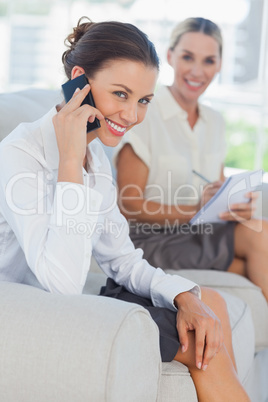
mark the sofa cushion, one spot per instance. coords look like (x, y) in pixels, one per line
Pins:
(176, 384)
(243, 333)
(94, 282)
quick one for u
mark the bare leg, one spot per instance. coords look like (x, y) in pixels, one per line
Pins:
(219, 383)
(238, 266)
(217, 304)
(251, 252)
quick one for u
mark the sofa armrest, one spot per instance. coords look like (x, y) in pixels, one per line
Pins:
(238, 286)
(75, 348)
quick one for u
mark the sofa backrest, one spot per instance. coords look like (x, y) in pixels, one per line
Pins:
(29, 105)
(25, 106)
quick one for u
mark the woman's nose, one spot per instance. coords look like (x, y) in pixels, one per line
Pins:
(197, 69)
(129, 114)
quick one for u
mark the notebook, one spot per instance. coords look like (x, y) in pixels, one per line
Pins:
(231, 192)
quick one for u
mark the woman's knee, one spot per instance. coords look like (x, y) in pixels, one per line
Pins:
(244, 231)
(211, 296)
(249, 236)
(216, 302)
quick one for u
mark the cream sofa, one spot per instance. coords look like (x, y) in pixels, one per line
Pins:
(58, 348)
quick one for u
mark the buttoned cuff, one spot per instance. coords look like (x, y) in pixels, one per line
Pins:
(166, 287)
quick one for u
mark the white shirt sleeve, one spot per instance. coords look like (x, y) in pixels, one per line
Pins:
(40, 216)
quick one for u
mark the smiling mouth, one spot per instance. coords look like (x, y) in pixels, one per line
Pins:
(115, 128)
(194, 84)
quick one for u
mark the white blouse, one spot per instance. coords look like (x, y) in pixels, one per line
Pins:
(171, 149)
(50, 230)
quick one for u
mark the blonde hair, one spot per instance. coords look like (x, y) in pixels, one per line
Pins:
(196, 25)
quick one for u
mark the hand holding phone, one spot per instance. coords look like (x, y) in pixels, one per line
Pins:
(68, 91)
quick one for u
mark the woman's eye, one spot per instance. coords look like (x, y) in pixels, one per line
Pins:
(186, 57)
(210, 61)
(144, 101)
(120, 94)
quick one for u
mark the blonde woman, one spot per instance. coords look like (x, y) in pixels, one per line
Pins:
(159, 193)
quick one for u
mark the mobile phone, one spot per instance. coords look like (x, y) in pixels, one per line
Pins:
(68, 90)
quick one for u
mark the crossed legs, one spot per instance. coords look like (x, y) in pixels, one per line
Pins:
(219, 382)
(251, 252)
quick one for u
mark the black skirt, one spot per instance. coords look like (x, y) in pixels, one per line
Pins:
(207, 246)
(164, 318)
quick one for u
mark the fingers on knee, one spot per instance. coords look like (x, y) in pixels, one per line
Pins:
(188, 357)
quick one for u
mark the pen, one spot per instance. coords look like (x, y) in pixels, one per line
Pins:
(201, 176)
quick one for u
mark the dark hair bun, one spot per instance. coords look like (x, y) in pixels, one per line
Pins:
(77, 34)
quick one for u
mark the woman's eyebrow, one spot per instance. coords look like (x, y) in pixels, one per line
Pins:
(125, 88)
(189, 52)
(128, 89)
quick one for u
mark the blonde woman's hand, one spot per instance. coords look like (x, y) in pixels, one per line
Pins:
(209, 191)
(242, 211)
